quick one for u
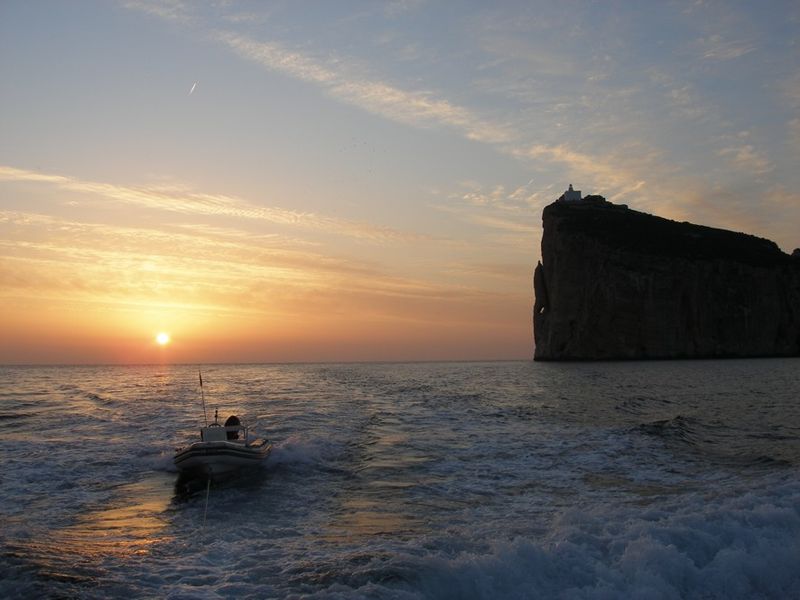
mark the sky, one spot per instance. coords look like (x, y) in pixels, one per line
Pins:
(346, 181)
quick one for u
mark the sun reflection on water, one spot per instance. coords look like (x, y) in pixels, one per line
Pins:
(130, 525)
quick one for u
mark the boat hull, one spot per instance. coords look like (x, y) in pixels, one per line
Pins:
(217, 458)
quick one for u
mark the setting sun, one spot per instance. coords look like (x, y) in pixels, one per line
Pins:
(162, 339)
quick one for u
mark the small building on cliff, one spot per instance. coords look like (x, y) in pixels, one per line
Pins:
(616, 284)
(570, 195)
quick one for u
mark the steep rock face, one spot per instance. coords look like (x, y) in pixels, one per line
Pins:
(615, 283)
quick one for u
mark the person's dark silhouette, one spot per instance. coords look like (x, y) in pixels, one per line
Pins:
(233, 421)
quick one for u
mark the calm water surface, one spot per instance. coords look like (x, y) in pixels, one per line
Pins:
(438, 480)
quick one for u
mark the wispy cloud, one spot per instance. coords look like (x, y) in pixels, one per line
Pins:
(203, 242)
(168, 261)
(500, 219)
(181, 199)
(746, 157)
(497, 196)
(208, 271)
(574, 109)
(608, 175)
(418, 108)
(526, 227)
(170, 10)
(716, 47)
(349, 82)
(395, 8)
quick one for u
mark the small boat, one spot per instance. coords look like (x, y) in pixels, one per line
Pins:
(222, 449)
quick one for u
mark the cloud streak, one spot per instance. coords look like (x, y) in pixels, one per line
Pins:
(607, 173)
(585, 88)
(417, 108)
(423, 109)
(717, 48)
(182, 200)
(746, 157)
(206, 272)
(344, 81)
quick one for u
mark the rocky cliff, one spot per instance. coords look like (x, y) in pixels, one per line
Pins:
(615, 283)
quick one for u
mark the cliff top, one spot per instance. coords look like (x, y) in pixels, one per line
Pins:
(634, 231)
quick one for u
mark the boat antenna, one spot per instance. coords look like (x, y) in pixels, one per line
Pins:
(203, 396)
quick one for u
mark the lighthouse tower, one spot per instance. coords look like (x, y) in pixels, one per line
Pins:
(571, 195)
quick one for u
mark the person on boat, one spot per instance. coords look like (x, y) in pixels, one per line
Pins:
(233, 421)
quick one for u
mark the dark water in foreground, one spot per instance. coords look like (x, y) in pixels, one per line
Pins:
(440, 480)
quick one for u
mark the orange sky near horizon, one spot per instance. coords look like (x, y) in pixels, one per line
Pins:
(92, 337)
(95, 285)
(358, 181)
(82, 292)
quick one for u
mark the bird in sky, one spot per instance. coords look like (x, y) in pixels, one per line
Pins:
(194, 85)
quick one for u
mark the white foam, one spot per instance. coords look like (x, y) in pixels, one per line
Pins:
(300, 450)
(738, 547)
(160, 461)
(415, 492)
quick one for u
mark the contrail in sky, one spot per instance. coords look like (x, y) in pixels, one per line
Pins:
(194, 85)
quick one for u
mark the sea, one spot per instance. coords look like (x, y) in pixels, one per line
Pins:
(674, 479)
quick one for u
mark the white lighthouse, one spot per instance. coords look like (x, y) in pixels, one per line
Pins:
(571, 195)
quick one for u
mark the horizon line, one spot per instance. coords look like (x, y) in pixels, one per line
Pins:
(257, 363)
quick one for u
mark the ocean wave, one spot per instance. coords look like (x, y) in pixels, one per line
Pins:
(409, 481)
(160, 460)
(679, 428)
(743, 546)
(723, 444)
(303, 452)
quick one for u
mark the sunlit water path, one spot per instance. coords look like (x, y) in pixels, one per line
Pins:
(440, 480)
